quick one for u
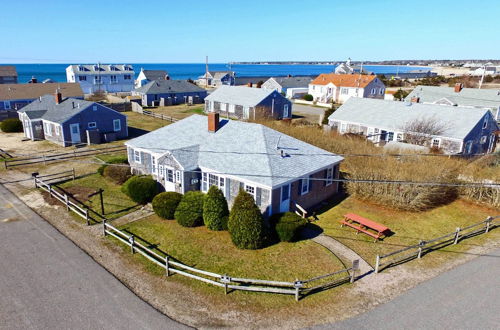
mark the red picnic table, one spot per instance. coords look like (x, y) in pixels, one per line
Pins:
(363, 225)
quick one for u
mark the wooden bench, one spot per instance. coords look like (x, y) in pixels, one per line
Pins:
(364, 225)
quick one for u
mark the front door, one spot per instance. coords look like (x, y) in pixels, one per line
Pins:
(246, 112)
(169, 179)
(285, 198)
(75, 133)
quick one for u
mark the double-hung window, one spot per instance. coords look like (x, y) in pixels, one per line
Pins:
(137, 156)
(117, 125)
(127, 77)
(154, 165)
(250, 190)
(344, 91)
(483, 139)
(178, 176)
(169, 174)
(97, 80)
(305, 186)
(208, 180)
(329, 176)
(113, 79)
(285, 192)
(82, 78)
(436, 143)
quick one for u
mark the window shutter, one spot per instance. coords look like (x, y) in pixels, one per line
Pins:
(300, 187)
(258, 196)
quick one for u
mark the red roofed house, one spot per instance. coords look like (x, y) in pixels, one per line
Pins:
(331, 87)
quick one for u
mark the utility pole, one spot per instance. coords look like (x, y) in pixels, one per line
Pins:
(482, 77)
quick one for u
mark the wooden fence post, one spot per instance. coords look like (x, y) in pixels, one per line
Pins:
(104, 227)
(66, 202)
(50, 190)
(132, 241)
(36, 185)
(225, 279)
(488, 223)
(355, 268)
(421, 244)
(377, 264)
(44, 161)
(167, 267)
(87, 217)
(457, 235)
(298, 285)
(73, 169)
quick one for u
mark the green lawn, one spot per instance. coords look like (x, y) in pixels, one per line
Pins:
(116, 203)
(138, 122)
(409, 227)
(180, 111)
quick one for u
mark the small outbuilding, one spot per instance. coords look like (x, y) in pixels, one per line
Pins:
(170, 92)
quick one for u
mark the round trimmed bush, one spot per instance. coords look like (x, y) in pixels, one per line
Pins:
(189, 212)
(246, 225)
(11, 125)
(165, 204)
(287, 226)
(308, 97)
(215, 210)
(117, 174)
(140, 189)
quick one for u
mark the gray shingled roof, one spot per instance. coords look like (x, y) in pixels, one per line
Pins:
(155, 74)
(168, 86)
(8, 71)
(46, 108)
(104, 68)
(385, 114)
(293, 82)
(471, 97)
(240, 95)
(237, 148)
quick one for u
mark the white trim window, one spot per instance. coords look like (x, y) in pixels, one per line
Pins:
(58, 130)
(113, 79)
(223, 106)
(373, 91)
(97, 80)
(117, 125)
(285, 111)
(137, 157)
(329, 176)
(343, 127)
(94, 108)
(436, 143)
(92, 124)
(344, 91)
(399, 137)
(6, 105)
(468, 147)
(127, 77)
(232, 108)
(82, 78)
(178, 176)
(208, 180)
(169, 174)
(250, 189)
(381, 91)
(285, 192)
(48, 129)
(304, 187)
(154, 165)
(160, 171)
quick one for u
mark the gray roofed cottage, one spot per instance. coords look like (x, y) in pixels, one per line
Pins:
(464, 130)
(248, 103)
(168, 92)
(189, 155)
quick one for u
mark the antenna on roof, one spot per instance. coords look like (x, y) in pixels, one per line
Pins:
(278, 143)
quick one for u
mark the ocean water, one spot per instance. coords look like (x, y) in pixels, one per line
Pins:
(57, 72)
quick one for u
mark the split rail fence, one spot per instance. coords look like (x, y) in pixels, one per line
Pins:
(30, 160)
(83, 212)
(297, 288)
(159, 116)
(418, 250)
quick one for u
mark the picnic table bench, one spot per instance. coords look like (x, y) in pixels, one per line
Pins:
(364, 225)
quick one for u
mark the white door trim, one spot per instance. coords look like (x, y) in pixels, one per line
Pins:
(75, 135)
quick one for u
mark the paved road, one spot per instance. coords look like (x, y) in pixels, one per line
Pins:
(467, 297)
(308, 109)
(47, 282)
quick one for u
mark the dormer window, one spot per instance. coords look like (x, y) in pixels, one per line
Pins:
(96, 68)
(485, 122)
(81, 68)
(113, 68)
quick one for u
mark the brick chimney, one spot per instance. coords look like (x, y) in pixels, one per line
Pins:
(415, 99)
(213, 122)
(458, 87)
(58, 96)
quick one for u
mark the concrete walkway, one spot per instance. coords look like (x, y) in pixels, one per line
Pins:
(47, 282)
(337, 248)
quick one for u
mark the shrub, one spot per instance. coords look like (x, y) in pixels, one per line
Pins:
(215, 209)
(189, 212)
(117, 174)
(308, 97)
(287, 226)
(140, 189)
(246, 225)
(11, 125)
(328, 113)
(113, 160)
(165, 204)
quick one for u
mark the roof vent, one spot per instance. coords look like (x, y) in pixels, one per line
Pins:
(408, 104)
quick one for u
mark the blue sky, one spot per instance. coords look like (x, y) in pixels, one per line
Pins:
(185, 31)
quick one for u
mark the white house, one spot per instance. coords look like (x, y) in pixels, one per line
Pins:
(147, 76)
(291, 87)
(331, 87)
(109, 78)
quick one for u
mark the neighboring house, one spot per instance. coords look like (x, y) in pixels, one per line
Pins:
(248, 103)
(348, 68)
(169, 92)
(331, 87)
(69, 121)
(8, 74)
(486, 70)
(147, 76)
(291, 87)
(216, 78)
(463, 130)
(200, 151)
(458, 96)
(109, 78)
(16, 96)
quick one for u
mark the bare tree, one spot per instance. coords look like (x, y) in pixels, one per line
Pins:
(419, 131)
